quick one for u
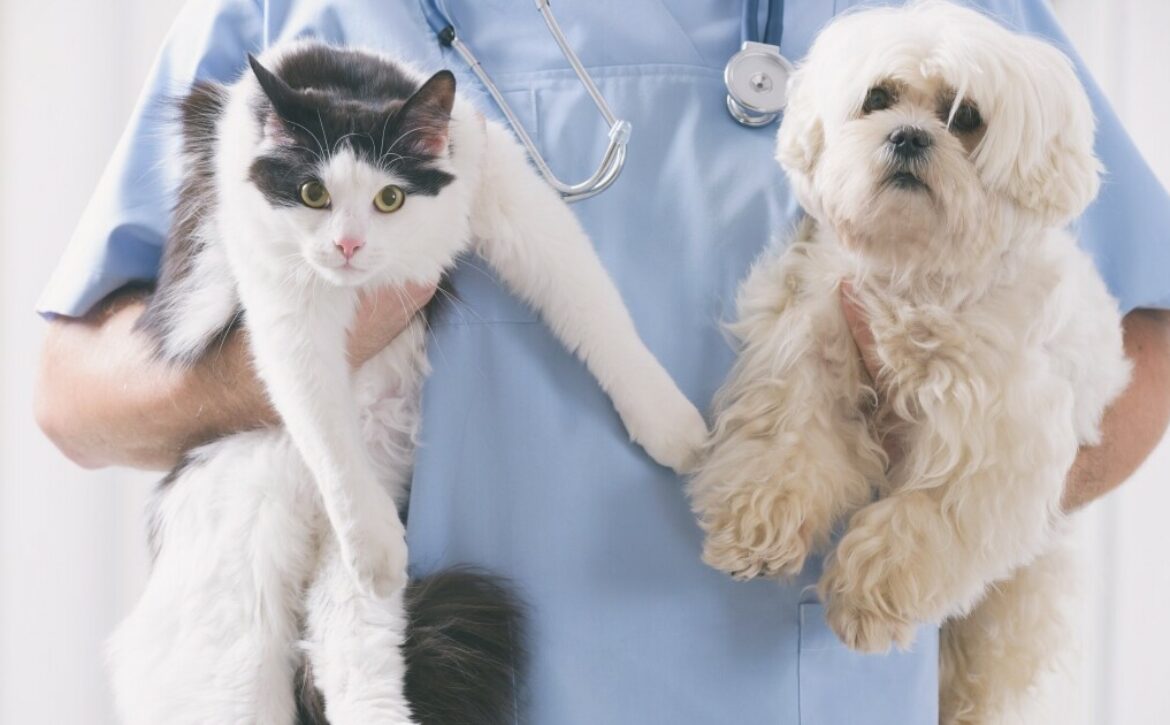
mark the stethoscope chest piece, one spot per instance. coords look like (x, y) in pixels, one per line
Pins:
(757, 83)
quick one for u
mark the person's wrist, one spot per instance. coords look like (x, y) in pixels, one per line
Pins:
(1084, 481)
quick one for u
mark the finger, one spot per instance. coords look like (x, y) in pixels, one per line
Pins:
(382, 315)
(858, 323)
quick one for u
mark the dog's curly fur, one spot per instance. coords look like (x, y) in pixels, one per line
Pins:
(999, 349)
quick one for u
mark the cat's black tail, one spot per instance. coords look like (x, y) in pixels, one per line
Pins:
(465, 652)
(465, 649)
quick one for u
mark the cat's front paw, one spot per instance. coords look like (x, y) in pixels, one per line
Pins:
(667, 425)
(758, 531)
(375, 551)
(679, 447)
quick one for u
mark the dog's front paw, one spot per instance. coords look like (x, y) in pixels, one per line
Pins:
(759, 531)
(867, 602)
(374, 549)
(863, 627)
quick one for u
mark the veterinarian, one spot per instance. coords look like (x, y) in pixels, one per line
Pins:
(524, 467)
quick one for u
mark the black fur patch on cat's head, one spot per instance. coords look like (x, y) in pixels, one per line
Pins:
(322, 99)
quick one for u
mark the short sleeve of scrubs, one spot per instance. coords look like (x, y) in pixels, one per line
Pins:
(120, 236)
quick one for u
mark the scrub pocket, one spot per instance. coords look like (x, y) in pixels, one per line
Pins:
(842, 687)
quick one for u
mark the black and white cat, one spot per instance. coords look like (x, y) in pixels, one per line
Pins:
(338, 170)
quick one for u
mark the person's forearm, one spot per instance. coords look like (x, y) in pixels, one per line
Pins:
(1136, 421)
(103, 399)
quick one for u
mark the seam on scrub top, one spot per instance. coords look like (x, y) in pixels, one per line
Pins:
(453, 15)
(682, 31)
(537, 123)
(799, 662)
(420, 17)
(617, 70)
(484, 323)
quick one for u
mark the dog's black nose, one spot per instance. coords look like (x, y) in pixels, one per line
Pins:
(909, 142)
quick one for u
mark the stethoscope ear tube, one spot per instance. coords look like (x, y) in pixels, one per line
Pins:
(614, 158)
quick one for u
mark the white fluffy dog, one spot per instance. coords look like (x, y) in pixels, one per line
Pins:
(939, 157)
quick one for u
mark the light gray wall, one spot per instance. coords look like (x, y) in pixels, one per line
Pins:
(70, 541)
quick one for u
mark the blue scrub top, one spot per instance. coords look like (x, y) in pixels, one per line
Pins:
(524, 467)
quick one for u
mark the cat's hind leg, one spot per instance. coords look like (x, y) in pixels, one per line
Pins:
(448, 649)
(354, 642)
(213, 638)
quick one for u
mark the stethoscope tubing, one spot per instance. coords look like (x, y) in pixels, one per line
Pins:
(614, 158)
(749, 25)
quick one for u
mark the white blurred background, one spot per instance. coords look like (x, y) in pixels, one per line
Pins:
(71, 553)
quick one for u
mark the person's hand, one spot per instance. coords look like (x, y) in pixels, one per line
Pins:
(381, 316)
(859, 327)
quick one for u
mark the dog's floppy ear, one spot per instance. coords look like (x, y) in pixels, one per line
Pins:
(802, 134)
(1050, 166)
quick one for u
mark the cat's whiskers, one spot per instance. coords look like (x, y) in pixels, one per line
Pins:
(324, 133)
(382, 140)
(405, 134)
(427, 329)
(317, 156)
(320, 157)
(469, 261)
(462, 307)
(393, 162)
(351, 133)
(227, 330)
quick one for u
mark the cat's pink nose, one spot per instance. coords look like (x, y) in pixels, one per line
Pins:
(348, 247)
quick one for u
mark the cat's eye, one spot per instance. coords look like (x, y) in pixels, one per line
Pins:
(314, 195)
(389, 199)
(966, 119)
(878, 98)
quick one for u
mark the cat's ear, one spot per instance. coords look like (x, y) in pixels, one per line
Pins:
(424, 120)
(286, 100)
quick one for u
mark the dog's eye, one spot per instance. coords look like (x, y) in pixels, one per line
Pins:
(878, 99)
(967, 119)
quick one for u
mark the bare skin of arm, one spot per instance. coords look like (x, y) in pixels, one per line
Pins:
(105, 401)
(1133, 424)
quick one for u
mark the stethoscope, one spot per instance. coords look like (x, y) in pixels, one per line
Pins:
(756, 78)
